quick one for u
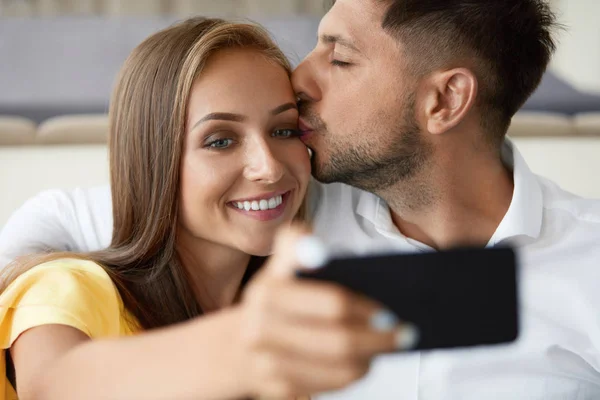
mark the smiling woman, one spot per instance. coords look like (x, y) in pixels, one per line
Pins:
(241, 151)
(206, 166)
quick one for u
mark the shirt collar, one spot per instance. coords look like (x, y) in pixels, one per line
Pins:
(524, 216)
(522, 221)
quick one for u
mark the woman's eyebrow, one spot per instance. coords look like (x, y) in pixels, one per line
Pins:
(283, 108)
(223, 116)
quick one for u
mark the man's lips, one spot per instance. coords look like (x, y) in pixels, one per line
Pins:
(304, 127)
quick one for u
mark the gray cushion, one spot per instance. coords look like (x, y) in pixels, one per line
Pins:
(556, 95)
(57, 66)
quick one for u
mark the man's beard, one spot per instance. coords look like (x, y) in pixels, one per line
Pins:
(396, 155)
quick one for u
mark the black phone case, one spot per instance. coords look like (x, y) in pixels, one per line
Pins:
(457, 298)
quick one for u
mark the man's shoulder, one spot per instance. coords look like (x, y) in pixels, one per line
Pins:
(60, 220)
(59, 204)
(558, 201)
(70, 198)
(90, 195)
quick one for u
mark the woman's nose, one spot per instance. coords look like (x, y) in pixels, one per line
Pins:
(262, 164)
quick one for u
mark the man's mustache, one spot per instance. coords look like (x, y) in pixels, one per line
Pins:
(308, 114)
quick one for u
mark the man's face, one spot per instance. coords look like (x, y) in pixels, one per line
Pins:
(357, 102)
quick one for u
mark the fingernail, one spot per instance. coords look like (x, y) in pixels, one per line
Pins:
(384, 320)
(311, 252)
(407, 337)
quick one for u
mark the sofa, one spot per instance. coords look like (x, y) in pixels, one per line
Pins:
(67, 65)
(70, 151)
(56, 77)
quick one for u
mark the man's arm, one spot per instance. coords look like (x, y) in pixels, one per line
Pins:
(79, 220)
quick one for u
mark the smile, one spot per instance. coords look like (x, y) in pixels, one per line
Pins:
(260, 204)
(267, 208)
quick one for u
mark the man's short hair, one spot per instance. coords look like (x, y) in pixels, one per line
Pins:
(508, 44)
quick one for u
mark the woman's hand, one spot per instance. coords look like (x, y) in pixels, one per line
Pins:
(299, 337)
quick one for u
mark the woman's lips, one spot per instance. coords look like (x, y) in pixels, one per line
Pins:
(266, 215)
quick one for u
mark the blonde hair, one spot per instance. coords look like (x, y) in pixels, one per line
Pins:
(147, 130)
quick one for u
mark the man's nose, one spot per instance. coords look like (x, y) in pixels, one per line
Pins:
(305, 80)
(262, 164)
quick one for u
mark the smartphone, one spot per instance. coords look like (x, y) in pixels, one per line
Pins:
(457, 298)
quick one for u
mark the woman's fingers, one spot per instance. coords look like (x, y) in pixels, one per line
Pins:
(301, 336)
(311, 300)
(335, 343)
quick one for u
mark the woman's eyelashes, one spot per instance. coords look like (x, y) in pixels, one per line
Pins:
(287, 133)
(222, 143)
(219, 140)
(218, 144)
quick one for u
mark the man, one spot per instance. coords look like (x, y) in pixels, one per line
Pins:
(406, 103)
(410, 101)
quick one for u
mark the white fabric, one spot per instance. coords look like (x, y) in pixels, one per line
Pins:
(77, 220)
(558, 234)
(558, 353)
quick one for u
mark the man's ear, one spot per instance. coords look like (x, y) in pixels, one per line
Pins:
(447, 97)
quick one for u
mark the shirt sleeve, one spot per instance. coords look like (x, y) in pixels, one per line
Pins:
(75, 293)
(58, 220)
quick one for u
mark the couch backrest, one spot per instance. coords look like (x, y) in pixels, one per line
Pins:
(69, 152)
(63, 66)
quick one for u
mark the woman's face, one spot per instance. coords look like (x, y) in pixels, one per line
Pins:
(244, 169)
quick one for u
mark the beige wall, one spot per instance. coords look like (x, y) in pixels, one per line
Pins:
(577, 59)
(578, 55)
(152, 7)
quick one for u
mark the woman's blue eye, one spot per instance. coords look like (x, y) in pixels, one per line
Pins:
(220, 143)
(286, 133)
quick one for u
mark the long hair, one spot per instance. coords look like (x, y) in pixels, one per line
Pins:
(146, 140)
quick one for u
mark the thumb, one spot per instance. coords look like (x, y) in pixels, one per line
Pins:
(295, 248)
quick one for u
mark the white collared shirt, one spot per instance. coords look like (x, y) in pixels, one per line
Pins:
(557, 355)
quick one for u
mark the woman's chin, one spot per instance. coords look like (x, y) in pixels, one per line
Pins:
(258, 249)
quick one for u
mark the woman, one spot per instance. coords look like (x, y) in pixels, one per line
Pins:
(205, 167)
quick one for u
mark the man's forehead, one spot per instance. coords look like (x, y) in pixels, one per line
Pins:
(375, 3)
(374, 8)
(353, 19)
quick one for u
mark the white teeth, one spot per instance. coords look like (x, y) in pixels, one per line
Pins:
(262, 205)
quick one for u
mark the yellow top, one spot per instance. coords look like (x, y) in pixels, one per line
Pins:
(67, 292)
